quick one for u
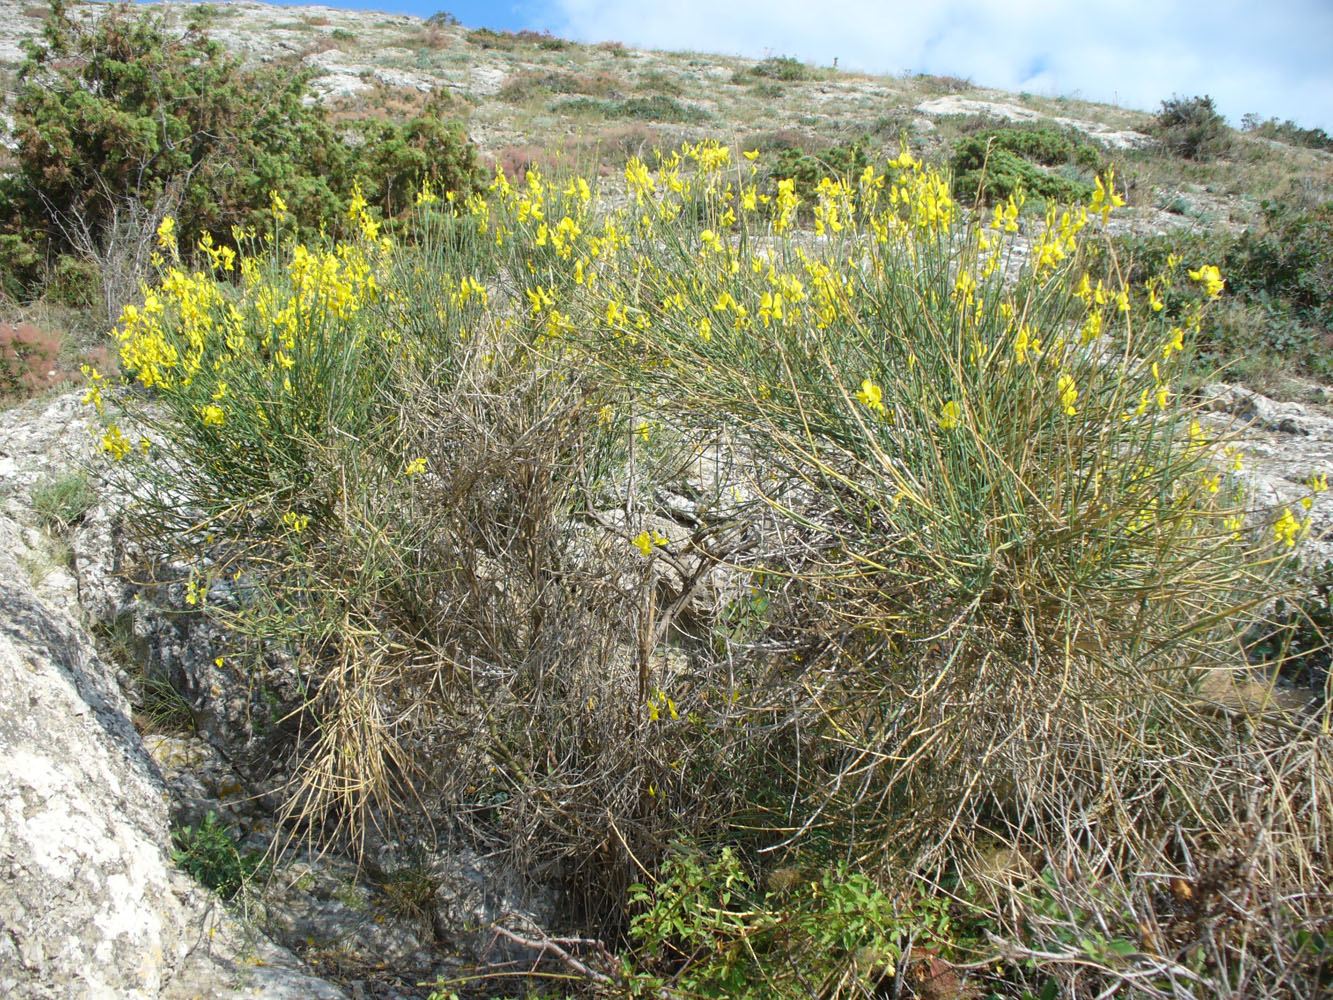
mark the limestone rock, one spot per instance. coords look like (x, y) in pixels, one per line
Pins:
(90, 904)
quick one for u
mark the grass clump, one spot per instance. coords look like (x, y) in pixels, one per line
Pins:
(877, 551)
(62, 501)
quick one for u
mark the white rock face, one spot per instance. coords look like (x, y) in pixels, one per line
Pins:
(90, 902)
(955, 105)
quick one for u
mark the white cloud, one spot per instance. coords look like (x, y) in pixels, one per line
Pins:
(1270, 58)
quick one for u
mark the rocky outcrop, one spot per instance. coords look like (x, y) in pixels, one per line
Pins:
(1282, 444)
(90, 903)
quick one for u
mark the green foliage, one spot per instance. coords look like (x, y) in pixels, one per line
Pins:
(395, 158)
(1288, 258)
(808, 168)
(121, 117)
(1279, 275)
(1191, 127)
(655, 108)
(787, 69)
(210, 854)
(707, 930)
(62, 501)
(1287, 131)
(995, 164)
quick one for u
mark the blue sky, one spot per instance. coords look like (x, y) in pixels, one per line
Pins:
(1274, 58)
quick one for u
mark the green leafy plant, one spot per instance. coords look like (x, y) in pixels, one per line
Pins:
(706, 929)
(1287, 131)
(786, 69)
(210, 854)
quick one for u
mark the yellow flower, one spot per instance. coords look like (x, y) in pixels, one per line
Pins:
(212, 415)
(1287, 529)
(950, 415)
(1025, 344)
(93, 395)
(415, 467)
(1068, 394)
(1211, 278)
(751, 154)
(296, 522)
(645, 541)
(871, 396)
(166, 233)
(1104, 198)
(276, 203)
(114, 443)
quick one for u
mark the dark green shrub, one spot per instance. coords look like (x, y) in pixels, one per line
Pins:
(995, 173)
(1191, 127)
(396, 158)
(993, 163)
(122, 121)
(1279, 289)
(123, 112)
(808, 168)
(657, 108)
(1290, 258)
(209, 853)
(784, 68)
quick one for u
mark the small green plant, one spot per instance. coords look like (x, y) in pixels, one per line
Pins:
(1191, 127)
(342, 35)
(210, 854)
(62, 501)
(707, 929)
(161, 708)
